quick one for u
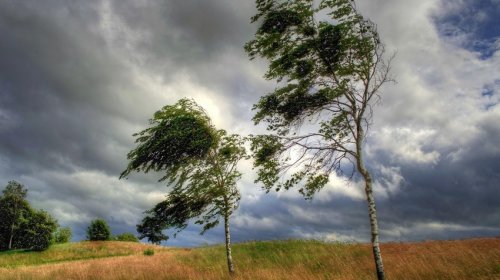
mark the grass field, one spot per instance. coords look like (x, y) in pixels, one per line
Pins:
(292, 259)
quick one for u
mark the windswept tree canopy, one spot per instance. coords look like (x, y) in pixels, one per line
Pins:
(204, 191)
(328, 62)
(178, 134)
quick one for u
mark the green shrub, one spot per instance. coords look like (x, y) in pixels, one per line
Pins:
(37, 231)
(98, 230)
(62, 235)
(149, 252)
(129, 237)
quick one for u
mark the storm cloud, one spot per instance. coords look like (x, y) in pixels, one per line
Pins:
(78, 78)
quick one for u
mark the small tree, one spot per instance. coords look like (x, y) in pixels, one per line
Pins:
(13, 209)
(199, 161)
(62, 235)
(329, 73)
(22, 227)
(98, 230)
(129, 237)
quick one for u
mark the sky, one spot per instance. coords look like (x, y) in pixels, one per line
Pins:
(78, 78)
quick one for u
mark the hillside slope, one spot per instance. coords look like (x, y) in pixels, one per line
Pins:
(291, 259)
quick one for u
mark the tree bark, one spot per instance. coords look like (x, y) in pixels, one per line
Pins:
(372, 211)
(12, 231)
(10, 240)
(373, 224)
(230, 264)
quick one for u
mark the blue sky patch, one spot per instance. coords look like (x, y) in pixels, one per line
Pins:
(487, 91)
(474, 25)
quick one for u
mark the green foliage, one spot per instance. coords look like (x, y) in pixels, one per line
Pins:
(178, 134)
(15, 190)
(37, 231)
(328, 71)
(98, 230)
(14, 209)
(205, 190)
(174, 212)
(149, 252)
(267, 149)
(127, 236)
(62, 235)
(22, 227)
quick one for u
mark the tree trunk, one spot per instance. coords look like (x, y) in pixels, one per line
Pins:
(10, 241)
(372, 211)
(230, 265)
(11, 236)
(373, 224)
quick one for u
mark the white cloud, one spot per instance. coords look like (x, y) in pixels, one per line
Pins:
(424, 229)
(389, 183)
(436, 104)
(103, 195)
(406, 144)
(256, 223)
(339, 187)
(328, 236)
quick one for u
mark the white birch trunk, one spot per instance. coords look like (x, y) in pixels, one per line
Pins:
(10, 240)
(372, 211)
(230, 264)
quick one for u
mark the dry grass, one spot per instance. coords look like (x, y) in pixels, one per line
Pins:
(465, 259)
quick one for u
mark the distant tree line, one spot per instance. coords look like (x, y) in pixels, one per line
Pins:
(25, 228)
(99, 230)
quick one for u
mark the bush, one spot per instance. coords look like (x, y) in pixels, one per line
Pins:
(98, 230)
(62, 235)
(129, 237)
(37, 231)
(149, 252)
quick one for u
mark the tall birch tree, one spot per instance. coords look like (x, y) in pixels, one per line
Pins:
(328, 61)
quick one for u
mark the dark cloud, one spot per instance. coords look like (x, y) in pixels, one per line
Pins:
(460, 189)
(190, 33)
(205, 38)
(56, 79)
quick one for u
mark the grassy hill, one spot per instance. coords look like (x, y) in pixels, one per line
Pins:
(292, 259)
